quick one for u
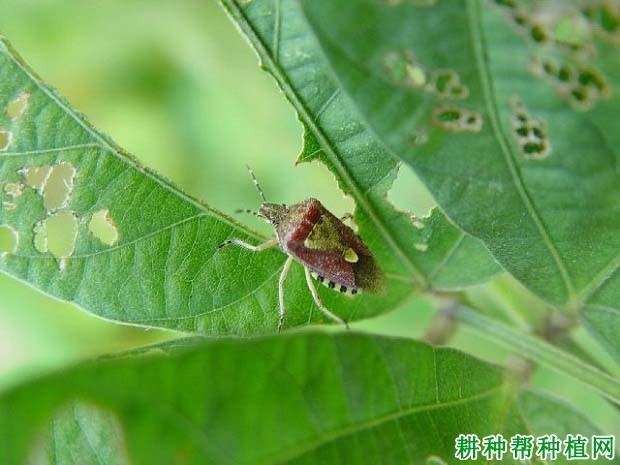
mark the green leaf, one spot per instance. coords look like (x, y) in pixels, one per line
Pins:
(309, 398)
(522, 149)
(84, 222)
(604, 323)
(530, 412)
(335, 134)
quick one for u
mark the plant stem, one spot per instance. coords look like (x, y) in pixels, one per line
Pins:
(542, 352)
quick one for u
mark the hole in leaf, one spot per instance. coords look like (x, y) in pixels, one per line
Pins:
(446, 83)
(57, 234)
(538, 132)
(36, 176)
(6, 138)
(579, 94)
(403, 69)
(453, 118)
(59, 186)
(609, 19)
(409, 194)
(572, 31)
(565, 74)
(549, 67)
(538, 33)
(449, 115)
(520, 19)
(592, 79)
(103, 228)
(606, 18)
(9, 240)
(442, 81)
(523, 131)
(529, 134)
(17, 107)
(533, 148)
(581, 86)
(54, 183)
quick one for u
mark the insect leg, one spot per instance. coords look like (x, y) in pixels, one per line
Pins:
(245, 245)
(283, 275)
(318, 302)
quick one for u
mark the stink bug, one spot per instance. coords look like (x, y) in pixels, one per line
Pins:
(329, 250)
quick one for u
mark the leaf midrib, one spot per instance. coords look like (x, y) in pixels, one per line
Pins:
(371, 423)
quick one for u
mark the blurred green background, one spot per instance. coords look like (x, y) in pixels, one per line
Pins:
(175, 84)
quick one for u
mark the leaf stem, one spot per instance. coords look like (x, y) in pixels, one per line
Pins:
(541, 352)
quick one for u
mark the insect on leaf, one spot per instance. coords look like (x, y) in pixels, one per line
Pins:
(338, 136)
(83, 221)
(521, 149)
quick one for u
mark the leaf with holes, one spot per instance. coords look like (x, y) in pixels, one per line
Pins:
(433, 252)
(305, 399)
(84, 222)
(520, 145)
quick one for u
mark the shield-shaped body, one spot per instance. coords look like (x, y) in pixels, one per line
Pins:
(332, 251)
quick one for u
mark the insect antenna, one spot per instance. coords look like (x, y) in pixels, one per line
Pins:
(258, 188)
(251, 212)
